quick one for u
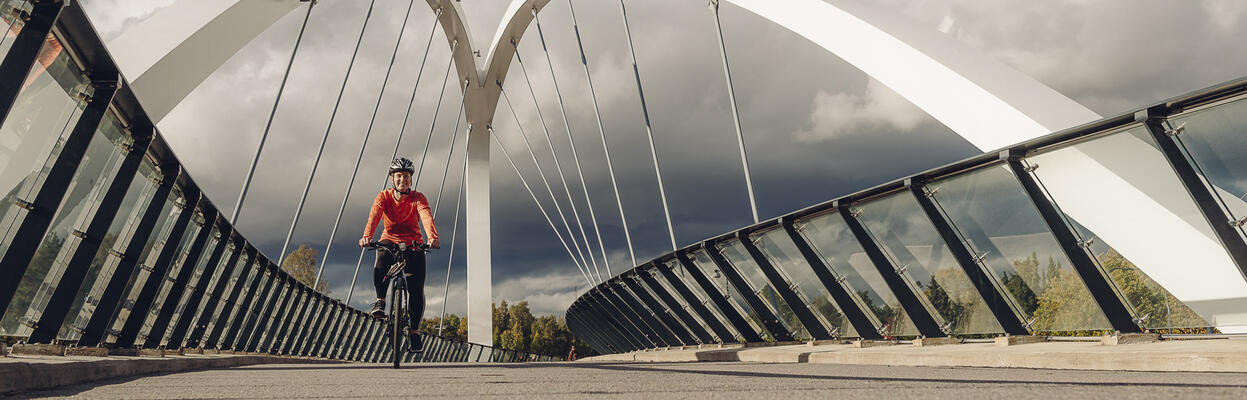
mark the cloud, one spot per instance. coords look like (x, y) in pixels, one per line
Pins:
(834, 115)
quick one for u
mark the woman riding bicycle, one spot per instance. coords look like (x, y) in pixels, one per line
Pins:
(402, 210)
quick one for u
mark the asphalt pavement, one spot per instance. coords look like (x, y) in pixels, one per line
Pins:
(657, 381)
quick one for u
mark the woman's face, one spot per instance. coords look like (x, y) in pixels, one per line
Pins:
(402, 180)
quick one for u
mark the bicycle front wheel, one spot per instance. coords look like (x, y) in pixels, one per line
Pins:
(398, 316)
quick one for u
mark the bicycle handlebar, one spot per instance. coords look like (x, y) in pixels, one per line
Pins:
(395, 247)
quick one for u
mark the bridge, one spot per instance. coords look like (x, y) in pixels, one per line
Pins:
(1066, 228)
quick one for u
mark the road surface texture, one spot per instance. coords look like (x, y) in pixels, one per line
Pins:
(658, 381)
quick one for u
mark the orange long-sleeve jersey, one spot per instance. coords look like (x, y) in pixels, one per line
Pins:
(402, 218)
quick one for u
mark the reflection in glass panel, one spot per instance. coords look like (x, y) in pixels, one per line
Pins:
(784, 255)
(170, 209)
(11, 23)
(214, 238)
(1129, 255)
(702, 261)
(642, 322)
(740, 259)
(244, 294)
(51, 100)
(175, 268)
(249, 306)
(244, 259)
(1001, 225)
(830, 237)
(271, 318)
(95, 173)
(677, 269)
(112, 247)
(682, 303)
(902, 229)
(666, 310)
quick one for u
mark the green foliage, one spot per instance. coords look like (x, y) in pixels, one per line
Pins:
(515, 328)
(36, 272)
(301, 264)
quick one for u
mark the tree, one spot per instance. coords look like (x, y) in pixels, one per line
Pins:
(301, 264)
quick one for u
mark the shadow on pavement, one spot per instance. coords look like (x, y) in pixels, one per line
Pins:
(619, 367)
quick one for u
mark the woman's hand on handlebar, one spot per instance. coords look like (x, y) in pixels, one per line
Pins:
(435, 244)
(363, 242)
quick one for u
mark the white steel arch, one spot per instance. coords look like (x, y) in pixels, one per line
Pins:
(988, 103)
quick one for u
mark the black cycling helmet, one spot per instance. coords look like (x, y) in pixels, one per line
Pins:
(401, 164)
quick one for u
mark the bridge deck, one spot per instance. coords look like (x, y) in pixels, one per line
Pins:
(658, 380)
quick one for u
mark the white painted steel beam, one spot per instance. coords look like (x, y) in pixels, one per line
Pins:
(172, 52)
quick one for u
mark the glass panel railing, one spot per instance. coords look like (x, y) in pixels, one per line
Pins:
(907, 237)
(1002, 227)
(677, 269)
(244, 261)
(829, 236)
(94, 175)
(179, 261)
(1212, 139)
(666, 308)
(112, 247)
(784, 255)
(739, 257)
(681, 302)
(702, 261)
(171, 208)
(1138, 258)
(42, 116)
(12, 22)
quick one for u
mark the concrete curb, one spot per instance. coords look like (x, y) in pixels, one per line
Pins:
(21, 376)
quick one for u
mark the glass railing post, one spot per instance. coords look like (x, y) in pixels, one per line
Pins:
(21, 56)
(197, 297)
(784, 288)
(769, 320)
(1223, 225)
(147, 296)
(659, 310)
(1105, 295)
(922, 319)
(738, 321)
(160, 325)
(1008, 317)
(675, 306)
(854, 313)
(106, 307)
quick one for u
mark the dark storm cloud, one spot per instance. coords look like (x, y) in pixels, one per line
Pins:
(815, 127)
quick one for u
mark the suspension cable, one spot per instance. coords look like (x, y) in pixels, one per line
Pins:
(593, 219)
(731, 96)
(649, 132)
(324, 139)
(557, 165)
(606, 148)
(540, 170)
(454, 231)
(462, 101)
(539, 206)
(246, 184)
(451, 153)
(368, 133)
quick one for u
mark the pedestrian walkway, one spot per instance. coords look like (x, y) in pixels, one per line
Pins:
(657, 381)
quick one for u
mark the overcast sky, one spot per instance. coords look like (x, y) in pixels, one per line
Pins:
(815, 127)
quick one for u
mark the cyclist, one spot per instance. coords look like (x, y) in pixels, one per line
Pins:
(402, 209)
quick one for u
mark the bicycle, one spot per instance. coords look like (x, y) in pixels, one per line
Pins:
(397, 316)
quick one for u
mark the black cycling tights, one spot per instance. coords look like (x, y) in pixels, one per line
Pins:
(415, 282)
